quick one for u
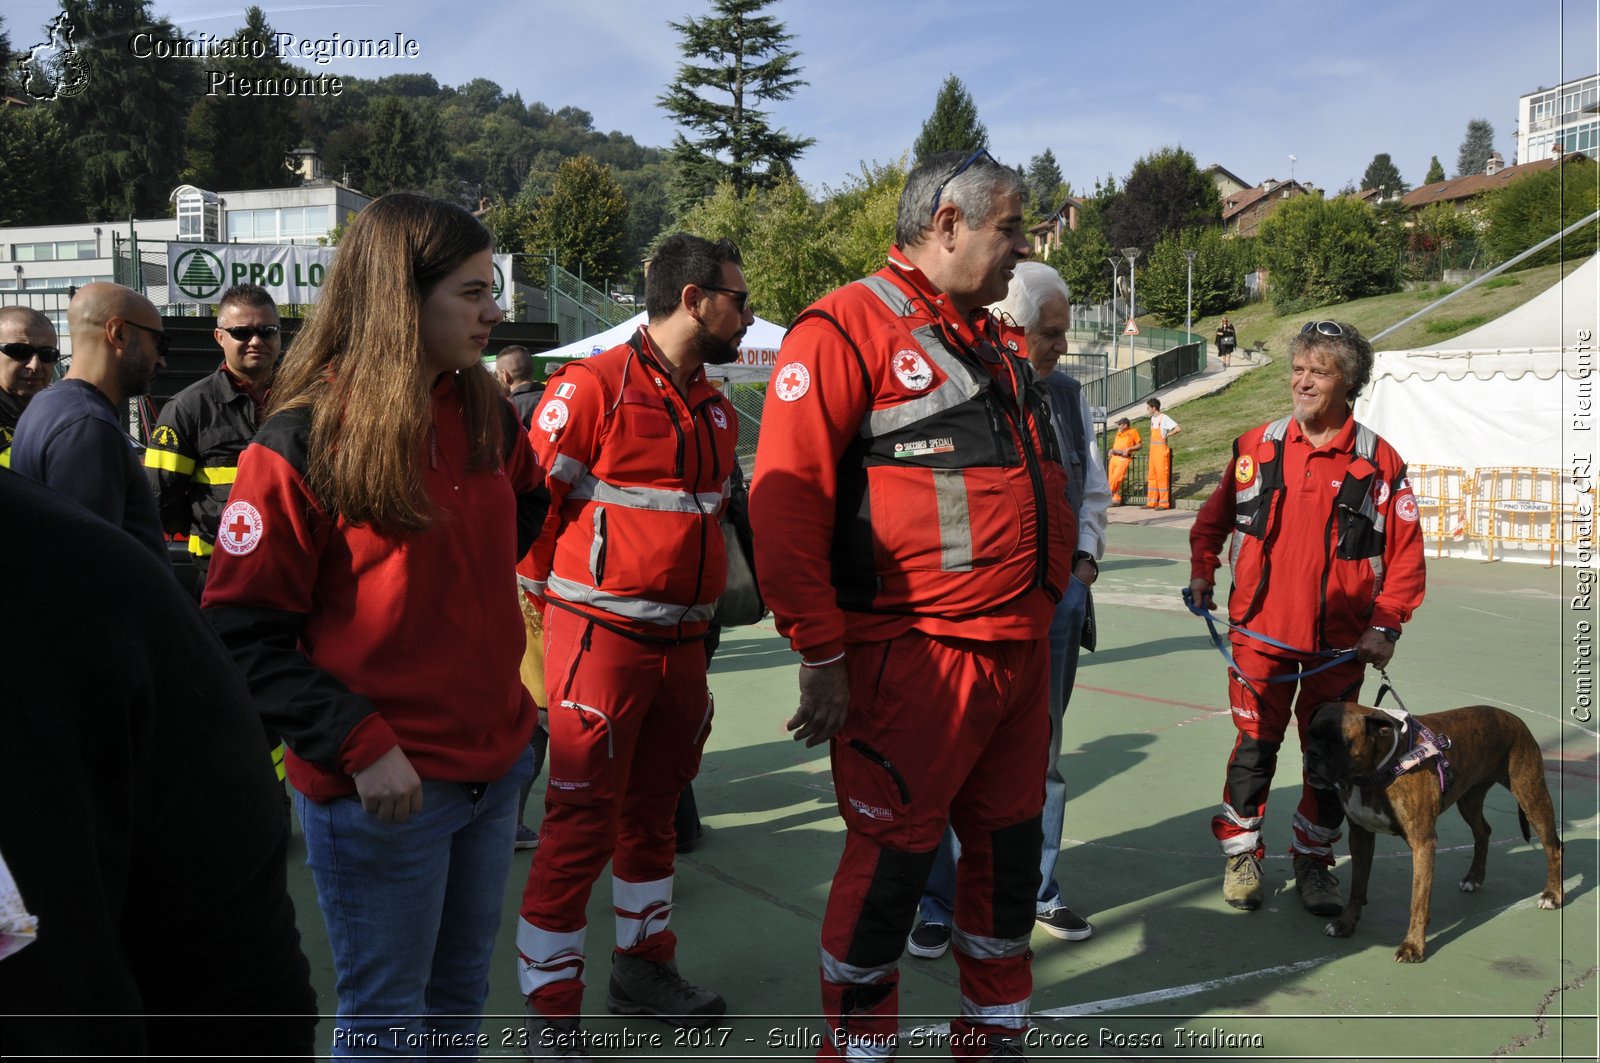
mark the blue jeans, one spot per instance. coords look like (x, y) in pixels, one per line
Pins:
(939, 894)
(412, 911)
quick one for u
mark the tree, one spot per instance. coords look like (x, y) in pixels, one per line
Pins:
(127, 125)
(1382, 173)
(584, 221)
(859, 218)
(1528, 210)
(1435, 172)
(1218, 276)
(394, 155)
(953, 125)
(1475, 148)
(38, 177)
(742, 55)
(1165, 193)
(1046, 188)
(1322, 251)
(244, 141)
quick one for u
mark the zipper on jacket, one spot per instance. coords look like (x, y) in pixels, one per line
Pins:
(587, 711)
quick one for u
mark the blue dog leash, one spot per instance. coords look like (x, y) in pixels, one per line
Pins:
(1334, 657)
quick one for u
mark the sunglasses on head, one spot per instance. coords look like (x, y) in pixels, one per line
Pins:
(981, 153)
(1326, 328)
(163, 341)
(242, 333)
(26, 352)
(741, 296)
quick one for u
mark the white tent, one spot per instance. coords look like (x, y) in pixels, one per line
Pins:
(1516, 392)
(758, 354)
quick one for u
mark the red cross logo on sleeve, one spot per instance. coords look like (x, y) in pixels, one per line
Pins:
(794, 380)
(239, 531)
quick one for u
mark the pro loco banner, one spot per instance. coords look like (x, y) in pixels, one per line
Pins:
(291, 273)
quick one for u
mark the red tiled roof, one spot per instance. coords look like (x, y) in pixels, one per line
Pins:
(1240, 201)
(1458, 188)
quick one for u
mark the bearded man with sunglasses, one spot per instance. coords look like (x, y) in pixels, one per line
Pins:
(72, 437)
(913, 536)
(1327, 557)
(194, 450)
(28, 346)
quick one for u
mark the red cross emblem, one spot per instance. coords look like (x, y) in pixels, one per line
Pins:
(240, 528)
(794, 380)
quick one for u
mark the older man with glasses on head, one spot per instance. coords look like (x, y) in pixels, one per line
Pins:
(194, 450)
(71, 438)
(913, 536)
(1321, 505)
(28, 346)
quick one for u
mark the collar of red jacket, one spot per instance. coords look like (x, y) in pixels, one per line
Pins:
(931, 299)
(1345, 440)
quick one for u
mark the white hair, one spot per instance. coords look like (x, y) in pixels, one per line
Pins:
(1031, 284)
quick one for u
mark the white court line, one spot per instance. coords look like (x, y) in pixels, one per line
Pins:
(1156, 996)
(1485, 612)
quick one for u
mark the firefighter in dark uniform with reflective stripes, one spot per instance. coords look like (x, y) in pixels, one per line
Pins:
(194, 451)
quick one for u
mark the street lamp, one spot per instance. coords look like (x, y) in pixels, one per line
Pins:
(1188, 300)
(1114, 331)
(1133, 289)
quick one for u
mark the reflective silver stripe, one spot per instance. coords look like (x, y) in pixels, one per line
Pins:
(840, 973)
(567, 469)
(532, 586)
(643, 609)
(1277, 429)
(655, 499)
(1012, 1016)
(1247, 493)
(958, 387)
(983, 948)
(640, 909)
(545, 957)
(1314, 832)
(597, 543)
(865, 1047)
(1245, 822)
(955, 526)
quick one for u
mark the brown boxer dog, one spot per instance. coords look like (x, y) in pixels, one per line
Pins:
(1360, 751)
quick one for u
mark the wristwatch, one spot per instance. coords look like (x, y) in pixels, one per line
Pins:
(1084, 555)
(1392, 634)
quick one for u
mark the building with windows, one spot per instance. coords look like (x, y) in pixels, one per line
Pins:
(1567, 115)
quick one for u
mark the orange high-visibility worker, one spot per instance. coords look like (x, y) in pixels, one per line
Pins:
(1126, 442)
(1158, 484)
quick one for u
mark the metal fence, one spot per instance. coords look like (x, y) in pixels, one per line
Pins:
(577, 307)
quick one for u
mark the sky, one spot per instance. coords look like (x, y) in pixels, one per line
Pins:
(1100, 84)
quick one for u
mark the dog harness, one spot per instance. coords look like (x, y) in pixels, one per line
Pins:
(1414, 745)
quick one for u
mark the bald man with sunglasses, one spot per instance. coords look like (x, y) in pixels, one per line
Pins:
(194, 450)
(28, 365)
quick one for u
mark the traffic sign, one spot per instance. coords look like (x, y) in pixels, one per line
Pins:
(1132, 329)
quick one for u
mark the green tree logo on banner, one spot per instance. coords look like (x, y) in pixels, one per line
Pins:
(499, 282)
(199, 273)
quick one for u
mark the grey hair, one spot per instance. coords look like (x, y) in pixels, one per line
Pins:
(1031, 284)
(1352, 353)
(973, 191)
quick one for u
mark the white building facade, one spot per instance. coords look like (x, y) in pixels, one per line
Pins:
(1568, 115)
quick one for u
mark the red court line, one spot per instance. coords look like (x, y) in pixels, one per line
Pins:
(1147, 697)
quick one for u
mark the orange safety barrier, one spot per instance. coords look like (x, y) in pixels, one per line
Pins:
(1520, 506)
(1443, 494)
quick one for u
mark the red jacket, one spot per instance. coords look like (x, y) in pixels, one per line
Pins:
(1306, 572)
(354, 641)
(907, 475)
(638, 478)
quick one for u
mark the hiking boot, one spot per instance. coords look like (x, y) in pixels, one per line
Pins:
(1004, 1048)
(1319, 889)
(1241, 882)
(1065, 924)
(527, 838)
(554, 1039)
(929, 941)
(644, 987)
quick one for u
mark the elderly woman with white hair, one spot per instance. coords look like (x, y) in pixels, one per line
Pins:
(1039, 302)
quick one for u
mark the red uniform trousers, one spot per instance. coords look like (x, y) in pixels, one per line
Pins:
(939, 729)
(628, 720)
(1263, 719)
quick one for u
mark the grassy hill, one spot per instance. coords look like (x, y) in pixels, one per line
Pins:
(1211, 423)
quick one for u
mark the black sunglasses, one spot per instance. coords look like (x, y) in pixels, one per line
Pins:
(741, 295)
(163, 341)
(26, 352)
(242, 333)
(981, 153)
(1326, 328)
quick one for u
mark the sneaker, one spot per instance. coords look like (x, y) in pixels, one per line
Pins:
(527, 838)
(929, 940)
(644, 987)
(1241, 882)
(1065, 924)
(553, 1039)
(1319, 889)
(1004, 1048)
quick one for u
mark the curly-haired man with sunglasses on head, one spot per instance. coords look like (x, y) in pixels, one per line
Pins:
(1327, 557)
(28, 365)
(194, 450)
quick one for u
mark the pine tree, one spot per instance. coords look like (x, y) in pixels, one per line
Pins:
(1383, 173)
(953, 125)
(742, 55)
(127, 125)
(393, 153)
(1044, 182)
(1435, 172)
(584, 220)
(1475, 148)
(244, 141)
